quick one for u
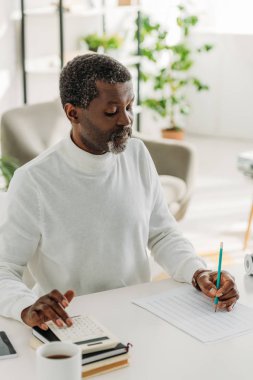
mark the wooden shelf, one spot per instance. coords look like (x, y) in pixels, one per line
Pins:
(43, 65)
(77, 11)
(45, 11)
(51, 64)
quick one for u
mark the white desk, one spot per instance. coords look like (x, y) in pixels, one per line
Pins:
(160, 351)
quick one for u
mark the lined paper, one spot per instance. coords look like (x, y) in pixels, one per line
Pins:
(192, 312)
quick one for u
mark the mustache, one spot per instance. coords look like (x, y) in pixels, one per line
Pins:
(127, 131)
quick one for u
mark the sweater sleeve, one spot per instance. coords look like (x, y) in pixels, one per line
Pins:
(19, 238)
(166, 243)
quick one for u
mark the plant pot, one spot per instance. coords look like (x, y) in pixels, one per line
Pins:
(173, 134)
(128, 2)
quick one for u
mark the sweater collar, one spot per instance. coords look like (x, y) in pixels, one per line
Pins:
(86, 162)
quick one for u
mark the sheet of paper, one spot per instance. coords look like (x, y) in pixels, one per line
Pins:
(192, 312)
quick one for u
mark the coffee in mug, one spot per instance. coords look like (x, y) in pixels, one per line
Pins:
(58, 356)
(58, 361)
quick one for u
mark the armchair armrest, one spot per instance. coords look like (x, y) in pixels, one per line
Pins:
(173, 158)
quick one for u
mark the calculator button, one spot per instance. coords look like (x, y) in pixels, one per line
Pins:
(82, 329)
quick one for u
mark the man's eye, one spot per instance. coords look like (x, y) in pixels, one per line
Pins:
(110, 113)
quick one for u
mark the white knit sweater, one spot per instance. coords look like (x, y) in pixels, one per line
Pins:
(83, 222)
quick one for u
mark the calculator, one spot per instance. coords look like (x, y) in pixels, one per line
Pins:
(86, 332)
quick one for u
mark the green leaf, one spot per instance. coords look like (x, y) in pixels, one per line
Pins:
(181, 7)
(182, 65)
(181, 49)
(174, 100)
(191, 20)
(144, 76)
(205, 48)
(185, 110)
(148, 54)
(199, 85)
(7, 167)
(179, 21)
(162, 35)
(182, 83)
(159, 106)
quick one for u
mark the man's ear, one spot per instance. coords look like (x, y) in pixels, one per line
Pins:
(71, 113)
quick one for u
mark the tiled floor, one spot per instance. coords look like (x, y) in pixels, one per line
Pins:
(221, 202)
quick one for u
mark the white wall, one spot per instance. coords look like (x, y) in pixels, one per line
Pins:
(225, 110)
(9, 77)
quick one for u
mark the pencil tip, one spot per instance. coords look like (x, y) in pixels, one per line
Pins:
(221, 244)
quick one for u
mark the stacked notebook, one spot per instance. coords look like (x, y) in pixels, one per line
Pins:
(101, 354)
(99, 362)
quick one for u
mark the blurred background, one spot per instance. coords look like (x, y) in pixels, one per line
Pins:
(192, 68)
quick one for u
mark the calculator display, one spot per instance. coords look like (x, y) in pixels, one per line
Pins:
(94, 341)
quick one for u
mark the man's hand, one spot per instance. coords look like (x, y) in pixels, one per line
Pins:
(49, 308)
(227, 293)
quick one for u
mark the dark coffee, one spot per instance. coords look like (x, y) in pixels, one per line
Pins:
(58, 356)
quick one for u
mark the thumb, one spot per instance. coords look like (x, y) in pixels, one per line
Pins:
(70, 294)
(207, 286)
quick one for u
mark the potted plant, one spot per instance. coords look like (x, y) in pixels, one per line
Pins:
(128, 2)
(7, 168)
(102, 43)
(170, 80)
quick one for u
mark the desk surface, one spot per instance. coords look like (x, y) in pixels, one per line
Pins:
(159, 351)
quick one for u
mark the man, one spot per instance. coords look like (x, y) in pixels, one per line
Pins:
(82, 214)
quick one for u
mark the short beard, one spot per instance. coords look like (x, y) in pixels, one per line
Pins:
(115, 148)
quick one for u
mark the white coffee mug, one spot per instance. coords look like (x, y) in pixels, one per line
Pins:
(248, 264)
(58, 361)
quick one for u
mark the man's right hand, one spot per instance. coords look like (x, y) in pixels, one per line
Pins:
(49, 308)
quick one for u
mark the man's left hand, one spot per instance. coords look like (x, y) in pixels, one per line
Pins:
(227, 293)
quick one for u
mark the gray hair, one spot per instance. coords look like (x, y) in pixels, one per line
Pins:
(78, 78)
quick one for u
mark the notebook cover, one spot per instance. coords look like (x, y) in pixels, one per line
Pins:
(35, 343)
(105, 369)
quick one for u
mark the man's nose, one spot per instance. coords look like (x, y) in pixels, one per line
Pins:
(124, 119)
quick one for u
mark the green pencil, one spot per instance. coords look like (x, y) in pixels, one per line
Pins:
(216, 300)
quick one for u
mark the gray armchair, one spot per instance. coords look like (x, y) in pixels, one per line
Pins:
(175, 163)
(28, 130)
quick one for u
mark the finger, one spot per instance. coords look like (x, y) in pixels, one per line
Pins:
(207, 287)
(226, 304)
(62, 317)
(70, 294)
(35, 318)
(227, 276)
(58, 297)
(231, 302)
(230, 308)
(43, 326)
(231, 294)
(47, 313)
(226, 287)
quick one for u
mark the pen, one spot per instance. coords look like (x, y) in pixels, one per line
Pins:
(216, 300)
